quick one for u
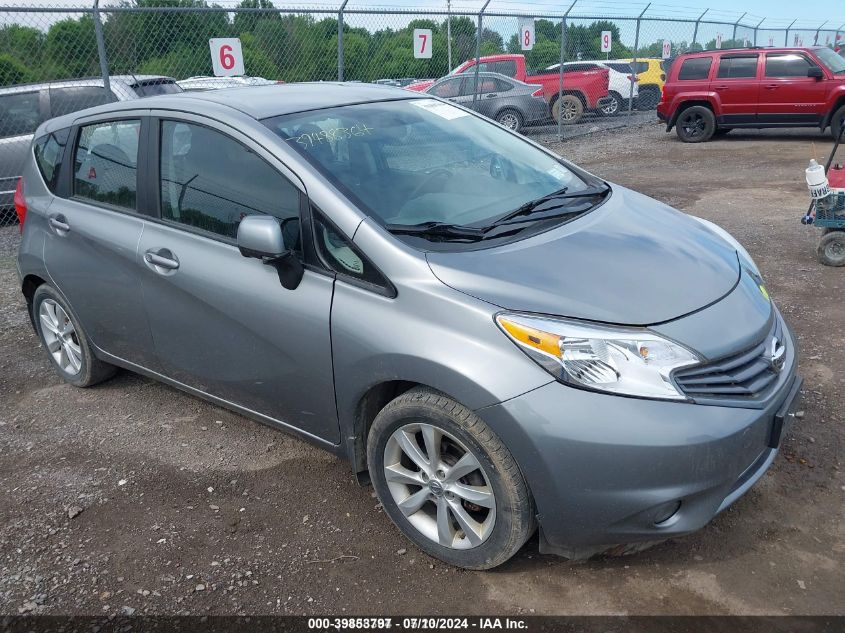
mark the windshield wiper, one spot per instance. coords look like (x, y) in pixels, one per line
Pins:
(530, 207)
(437, 229)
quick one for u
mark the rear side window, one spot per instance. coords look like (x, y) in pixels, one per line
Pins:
(695, 68)
(152, 87)
(19, 114)
(787, 65)
(738, 67)
(639, 67)
(49, 151)
(506, 68)
(503, 86)
(211, 182)
(448, 89)
(76, 98)
(106, 163)
(621, 67)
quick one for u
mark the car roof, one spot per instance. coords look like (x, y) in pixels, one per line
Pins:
(752, 49)
(85, 81)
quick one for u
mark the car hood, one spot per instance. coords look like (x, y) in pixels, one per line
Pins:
(632, 261)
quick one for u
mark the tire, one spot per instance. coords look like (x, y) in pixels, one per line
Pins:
(648, 98)
(836, 122)
(65, 341)
(696, 124)
(831, 250)
(614, 107)
(572, 108)
(502, 524)
(511, 119)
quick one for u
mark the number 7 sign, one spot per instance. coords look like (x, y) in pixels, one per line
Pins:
(422, 43)
(227, 59)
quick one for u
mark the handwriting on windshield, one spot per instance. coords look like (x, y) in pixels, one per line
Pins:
(312, 139)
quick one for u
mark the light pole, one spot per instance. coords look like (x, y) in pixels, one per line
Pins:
(449, 31)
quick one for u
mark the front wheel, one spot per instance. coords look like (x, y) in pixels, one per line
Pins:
(836, 122)
(568, 110)
(696, 124)
(831, 249)
(447, 481)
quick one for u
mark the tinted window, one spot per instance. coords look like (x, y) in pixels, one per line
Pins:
(639, 67)
(621, 67)
(787, 65)
(342, 256)
(154, 87)
(577, 68)
(696, 68)
(106, 163)
(507, 68)
(49, 151)
(502, 85)
(73, 99)
(447, 89)
(19, 113)
(211, 182)
(736, 67)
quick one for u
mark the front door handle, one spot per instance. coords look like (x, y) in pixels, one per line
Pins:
(772, 86)
(59, 222)
(722, 87)
(161, 260)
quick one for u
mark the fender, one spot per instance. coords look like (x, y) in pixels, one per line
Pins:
(835, 100)
(709, 96)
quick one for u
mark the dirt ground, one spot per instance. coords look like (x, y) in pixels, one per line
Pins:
(181, 507)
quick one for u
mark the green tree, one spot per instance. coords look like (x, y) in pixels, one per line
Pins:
(13, 71)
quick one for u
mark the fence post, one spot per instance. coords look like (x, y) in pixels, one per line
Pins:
(340, 41)
(449, 32)
(634, 63)
(816, 38)
(836, 37)
(562, 58)
(101, 50)
(477, 55)
(695, 30)
(736, 24)
(786, 39)
(756, 28)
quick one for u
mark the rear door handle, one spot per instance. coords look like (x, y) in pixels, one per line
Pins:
(722, 87)
(60, 224)
(490, 95)
(161, 259)
(772, 86)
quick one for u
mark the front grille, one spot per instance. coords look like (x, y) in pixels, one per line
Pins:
(747, 374)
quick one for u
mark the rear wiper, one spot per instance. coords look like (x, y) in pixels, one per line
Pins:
(529, 207)
(437, 229)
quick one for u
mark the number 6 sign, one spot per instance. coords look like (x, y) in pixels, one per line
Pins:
(526, 35)
(227, 59)
(422, 43)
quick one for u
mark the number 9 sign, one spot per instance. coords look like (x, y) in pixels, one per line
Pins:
(606, 41)
(526, 35)
(227, 58)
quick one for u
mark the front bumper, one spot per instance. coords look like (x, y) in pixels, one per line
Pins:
(606, 470)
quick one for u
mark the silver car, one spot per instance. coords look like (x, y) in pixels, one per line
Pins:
(507, 101)
(495, 338)
(23, 108)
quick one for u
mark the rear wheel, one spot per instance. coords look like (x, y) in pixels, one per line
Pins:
(568, 109)
(511, 119)
(696, 124)
(614, 106)
(447, 481)
(831, 250)
(836, 122)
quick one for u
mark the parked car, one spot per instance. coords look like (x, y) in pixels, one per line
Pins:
(582, 90)
(716, 91)
(24, 107)
(406, 81)
(650, 79)
(619, 83)
(215, 83)
(494, 337)
(507, 101)
(387, 82)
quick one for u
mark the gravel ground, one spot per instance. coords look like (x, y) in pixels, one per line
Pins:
(132, 497)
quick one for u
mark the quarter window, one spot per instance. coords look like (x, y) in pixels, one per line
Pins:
(49, 151)
(106, 163)
(342, 256)
(695, 68)
(211, 182)
(76, 98)
(738, 67)
(787, 65)
(19, 114)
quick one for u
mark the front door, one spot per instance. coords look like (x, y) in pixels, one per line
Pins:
(223, 323)
(787, 95)
(737, 83)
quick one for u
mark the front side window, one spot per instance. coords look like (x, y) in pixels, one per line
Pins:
(419, 160)
(787, 65)
(211, 182)
(738, 67)
(695, 68)
(76, 98)
(106, 163)
(19, 114)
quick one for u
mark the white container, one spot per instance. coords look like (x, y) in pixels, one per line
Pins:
(817, 181)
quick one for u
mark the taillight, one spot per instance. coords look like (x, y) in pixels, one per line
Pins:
(633, 78)
(20, 203)
(538, 92)
(662, 76)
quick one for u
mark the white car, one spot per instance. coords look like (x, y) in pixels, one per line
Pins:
(215, 83)
(619, 83)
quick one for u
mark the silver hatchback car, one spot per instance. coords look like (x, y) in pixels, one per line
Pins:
(495, 338)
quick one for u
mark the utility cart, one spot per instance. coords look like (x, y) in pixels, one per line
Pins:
(827, 210)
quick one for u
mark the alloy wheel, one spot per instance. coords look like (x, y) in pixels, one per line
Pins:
(60, 337)
(439, 485)
(694, 125)
(568, 111)
(611, 108)
(509, 120)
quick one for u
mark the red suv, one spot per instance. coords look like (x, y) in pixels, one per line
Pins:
(713, 92)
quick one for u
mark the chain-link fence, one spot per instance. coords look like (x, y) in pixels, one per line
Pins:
(58, 59)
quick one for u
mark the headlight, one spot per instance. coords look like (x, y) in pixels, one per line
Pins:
(744, 255)
(630, 361)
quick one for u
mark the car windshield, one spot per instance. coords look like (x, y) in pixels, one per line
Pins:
(834, 62)
(419, 161)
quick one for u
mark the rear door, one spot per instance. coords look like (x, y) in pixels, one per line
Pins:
(20, 114)
(737, 83)
(787, 95)
(94, 234)
(222, 323)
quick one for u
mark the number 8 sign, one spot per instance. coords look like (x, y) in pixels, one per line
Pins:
(526, 35)
(422, 43)
(227, 59)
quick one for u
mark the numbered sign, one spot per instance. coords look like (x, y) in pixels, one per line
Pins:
(745, 42)
(422, 43)
(667, 49)
(227, 59)
(526, 35)
(718, 40)
(771, 41)
(606, 41)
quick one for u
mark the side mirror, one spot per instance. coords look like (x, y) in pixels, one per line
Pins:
(815, 72)
(260, 236)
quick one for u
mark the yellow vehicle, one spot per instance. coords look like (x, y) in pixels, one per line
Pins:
(650, 79)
